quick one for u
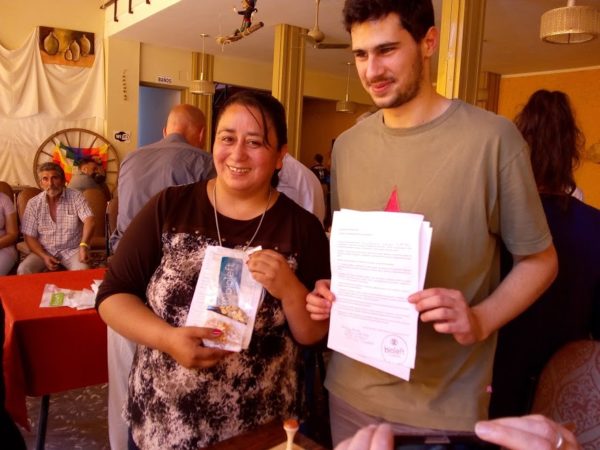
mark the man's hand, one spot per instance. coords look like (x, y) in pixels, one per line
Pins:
(371, 437)
(84, 254)
(51, 262)
(450, 313)
(526, 433)
(318, 302)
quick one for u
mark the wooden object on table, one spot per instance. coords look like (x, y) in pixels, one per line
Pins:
(266, 437)
(290, 426)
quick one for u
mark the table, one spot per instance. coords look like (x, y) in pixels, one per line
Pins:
(49, 350)
(264, 438)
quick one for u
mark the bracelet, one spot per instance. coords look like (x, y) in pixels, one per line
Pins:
(84, 244)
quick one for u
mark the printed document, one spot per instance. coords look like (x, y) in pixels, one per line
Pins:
(377, 260)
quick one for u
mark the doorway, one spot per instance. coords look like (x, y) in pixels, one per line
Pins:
(154, 106)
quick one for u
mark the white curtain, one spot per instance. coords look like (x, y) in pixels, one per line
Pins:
(38, 99)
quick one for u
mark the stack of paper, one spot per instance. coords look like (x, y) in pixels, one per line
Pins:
(377, 260)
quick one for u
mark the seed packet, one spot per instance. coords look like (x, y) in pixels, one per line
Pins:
(226, 297)
(54, 296)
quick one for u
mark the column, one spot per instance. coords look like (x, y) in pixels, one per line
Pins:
(288, 80)
(203, 63)
(461, 37)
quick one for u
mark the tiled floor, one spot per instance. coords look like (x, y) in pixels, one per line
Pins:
(76, 420)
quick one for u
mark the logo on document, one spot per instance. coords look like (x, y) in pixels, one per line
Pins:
(394, 349)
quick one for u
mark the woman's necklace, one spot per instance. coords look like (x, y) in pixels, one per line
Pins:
(259, 223)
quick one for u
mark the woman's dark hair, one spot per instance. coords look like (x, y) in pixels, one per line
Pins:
(416, 16)
(548, 125)
(271, 110)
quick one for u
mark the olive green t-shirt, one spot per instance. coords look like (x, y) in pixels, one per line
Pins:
(468, 173)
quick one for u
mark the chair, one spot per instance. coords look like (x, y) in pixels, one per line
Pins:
(97, 201)
(569, 390)
(22, 198)
(5, 188)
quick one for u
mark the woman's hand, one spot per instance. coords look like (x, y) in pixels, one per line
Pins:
(450, 314)
(318, 302)
(272, 270)
(184, 344)
(532, 432)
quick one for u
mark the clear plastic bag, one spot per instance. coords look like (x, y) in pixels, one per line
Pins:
(226, 297)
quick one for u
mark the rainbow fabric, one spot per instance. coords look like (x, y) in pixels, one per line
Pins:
(67, 157)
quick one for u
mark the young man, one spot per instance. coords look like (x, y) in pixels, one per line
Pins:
(57, 225)
(468, 172)
(91, 176)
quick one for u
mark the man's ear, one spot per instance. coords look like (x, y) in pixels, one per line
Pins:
(165, 132)
(201, 137)
(430, 42)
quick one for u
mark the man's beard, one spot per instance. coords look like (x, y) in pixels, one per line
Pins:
(407, 92)
(99, 178)
(54, 192)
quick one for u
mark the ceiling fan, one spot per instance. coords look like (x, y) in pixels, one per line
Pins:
(316, 37)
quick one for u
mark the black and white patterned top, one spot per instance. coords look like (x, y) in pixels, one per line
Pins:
(159, 259)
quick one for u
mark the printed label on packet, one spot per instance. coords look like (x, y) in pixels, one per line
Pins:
(57, 299)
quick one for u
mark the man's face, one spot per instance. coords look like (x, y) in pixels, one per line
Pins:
(89, 168)
(388, 61)
(51, 182)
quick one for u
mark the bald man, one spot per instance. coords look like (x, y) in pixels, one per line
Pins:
(176, 159)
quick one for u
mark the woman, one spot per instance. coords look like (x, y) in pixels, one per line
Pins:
(8, 234)
(569, 309)
(182, 394)
(548, 125)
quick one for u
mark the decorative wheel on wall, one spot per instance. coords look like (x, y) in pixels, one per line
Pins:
(69, 146)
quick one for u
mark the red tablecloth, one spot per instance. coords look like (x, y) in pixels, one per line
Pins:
(49, 350)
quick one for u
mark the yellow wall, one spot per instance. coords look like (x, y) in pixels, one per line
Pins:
(122, 92)
(321, 123)
(583, 88)
(19, 18)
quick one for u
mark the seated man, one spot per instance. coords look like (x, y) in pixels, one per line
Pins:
(91, 176)
(57, 225)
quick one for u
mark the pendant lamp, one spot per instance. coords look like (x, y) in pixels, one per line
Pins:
(202, 86)
(570, 24)
(346, 106)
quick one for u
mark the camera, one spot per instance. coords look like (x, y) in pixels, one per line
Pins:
(462, 441)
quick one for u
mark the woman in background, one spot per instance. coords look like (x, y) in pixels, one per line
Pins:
(181, 394)
(9, 232)
(570, 308)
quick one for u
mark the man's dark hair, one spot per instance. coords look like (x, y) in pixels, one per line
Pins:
(319, 158)
(86, 160)
(416, 16)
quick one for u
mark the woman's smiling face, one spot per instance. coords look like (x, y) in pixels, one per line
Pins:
(244, 159)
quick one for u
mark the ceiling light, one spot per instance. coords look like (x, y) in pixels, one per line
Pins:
(202, 86)
(570, 24)
(346, 106)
